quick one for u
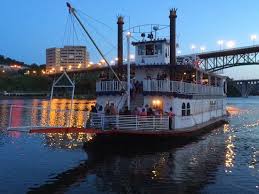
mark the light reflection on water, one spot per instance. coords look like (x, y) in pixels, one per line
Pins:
(223, 161)
(43, 113)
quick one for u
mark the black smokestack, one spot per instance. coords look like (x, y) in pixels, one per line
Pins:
(120, 23)
(173, 17)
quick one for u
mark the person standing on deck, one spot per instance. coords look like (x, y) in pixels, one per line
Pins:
(113, 116)
(143, 113)
(171, 118)
(93, 116)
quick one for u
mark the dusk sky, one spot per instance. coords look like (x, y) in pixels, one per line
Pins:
(29, 27)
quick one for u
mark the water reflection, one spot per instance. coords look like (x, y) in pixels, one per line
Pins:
(66, 141)
(223, 161)
(182, 170)
(43, 113)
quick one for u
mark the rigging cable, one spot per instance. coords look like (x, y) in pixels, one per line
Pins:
(72, 11)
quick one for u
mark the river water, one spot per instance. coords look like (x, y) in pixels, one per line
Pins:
(222, 161)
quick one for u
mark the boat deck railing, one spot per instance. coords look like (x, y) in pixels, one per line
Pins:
(110, 86)
(164, 86)
(128, 122)
(181, 87)
(25, 118)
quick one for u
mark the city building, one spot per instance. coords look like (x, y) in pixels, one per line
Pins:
(69, 58)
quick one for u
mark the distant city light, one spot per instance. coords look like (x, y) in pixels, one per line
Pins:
(91, 63)
(231, 44)
(102, 61)
(116, 59)
(132, 57)
(70, 67)
(179, 52)
(112, 62)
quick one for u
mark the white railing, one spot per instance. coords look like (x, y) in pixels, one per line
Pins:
(110, 86)
(180, 87)
(128, 122)
(24, 118)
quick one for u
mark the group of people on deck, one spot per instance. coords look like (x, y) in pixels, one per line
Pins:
(110, 109)
(144, 111)
(162, 76)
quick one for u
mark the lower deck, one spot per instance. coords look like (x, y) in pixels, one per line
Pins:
(167, 133)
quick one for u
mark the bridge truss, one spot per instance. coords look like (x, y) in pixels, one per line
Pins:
(219, 60)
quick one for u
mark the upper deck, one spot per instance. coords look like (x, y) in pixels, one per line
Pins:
(163, 87)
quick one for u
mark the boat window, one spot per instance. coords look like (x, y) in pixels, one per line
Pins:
(166, 54)
(183, 109)
(141, 50)
(150, 49)
(188, 109)
(158, 49)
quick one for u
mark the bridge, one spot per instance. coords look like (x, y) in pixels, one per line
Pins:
(245, 87)
(211, 61)
(219, 60)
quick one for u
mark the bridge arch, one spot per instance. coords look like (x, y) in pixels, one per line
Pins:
(219, 60)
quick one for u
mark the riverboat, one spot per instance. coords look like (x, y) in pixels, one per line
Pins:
(160, 99)
(189, 100)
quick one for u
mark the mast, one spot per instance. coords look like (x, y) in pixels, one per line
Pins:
(128, 68)
(73, 12)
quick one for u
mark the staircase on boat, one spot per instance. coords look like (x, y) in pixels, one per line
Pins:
(137, 101)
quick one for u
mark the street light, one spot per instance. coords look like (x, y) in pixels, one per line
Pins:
(202, 48)
(193, 47)
(102, 61)
(253, 38)
(112, 62)
(132, 57)
(231, 44)
(221, 44)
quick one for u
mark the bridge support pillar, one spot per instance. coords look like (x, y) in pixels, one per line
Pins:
(245, 87)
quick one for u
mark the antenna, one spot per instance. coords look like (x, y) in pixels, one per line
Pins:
(155, 28)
